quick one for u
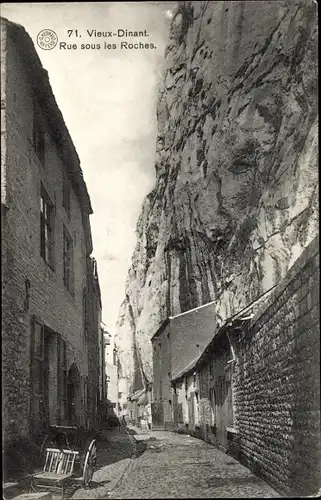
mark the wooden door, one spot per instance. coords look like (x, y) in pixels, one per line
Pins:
(175, 409)
(191, 413)
(221, 412)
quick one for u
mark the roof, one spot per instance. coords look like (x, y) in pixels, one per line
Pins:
(238, 319)
(194, 309)
(42, 89)
(167, 320)
(136, 395)
(143, 399)
(187, 369)
(160, 329)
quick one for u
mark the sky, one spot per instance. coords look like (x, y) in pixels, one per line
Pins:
(108, 99)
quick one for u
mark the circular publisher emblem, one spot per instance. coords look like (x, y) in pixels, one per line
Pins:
(47, 39)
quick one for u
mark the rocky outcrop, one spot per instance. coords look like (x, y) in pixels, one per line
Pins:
(235, 200)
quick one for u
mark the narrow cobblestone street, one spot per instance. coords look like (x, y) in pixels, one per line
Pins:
(180, 466)
(161, 464)
(114, 456)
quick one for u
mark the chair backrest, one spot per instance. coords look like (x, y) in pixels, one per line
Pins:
(60, 461)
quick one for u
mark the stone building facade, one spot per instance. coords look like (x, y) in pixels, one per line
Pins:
(177, 344)
(111, 373)
(255, 389)
(51, 306)
(162, 393)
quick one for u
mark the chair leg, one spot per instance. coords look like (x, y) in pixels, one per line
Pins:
(32, 487)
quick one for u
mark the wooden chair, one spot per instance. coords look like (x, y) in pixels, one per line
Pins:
(58, 468)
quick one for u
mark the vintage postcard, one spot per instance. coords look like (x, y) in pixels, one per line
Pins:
(160, 251)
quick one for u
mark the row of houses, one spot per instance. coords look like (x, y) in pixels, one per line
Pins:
(53, 343)
(250, 386)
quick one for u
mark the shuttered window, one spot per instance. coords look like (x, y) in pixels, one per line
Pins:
(46, 228)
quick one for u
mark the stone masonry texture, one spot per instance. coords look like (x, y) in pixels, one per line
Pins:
(47, 298)
(272, 423)
(277, 383)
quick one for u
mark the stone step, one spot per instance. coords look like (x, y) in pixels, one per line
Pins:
(10, 490)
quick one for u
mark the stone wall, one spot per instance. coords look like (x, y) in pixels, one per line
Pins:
(161, 345)
(47, 297)
(92, 339)
(271, 420)
(277, 383)
(3, 54)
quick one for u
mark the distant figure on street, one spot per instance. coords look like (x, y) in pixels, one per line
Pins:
(122, 422)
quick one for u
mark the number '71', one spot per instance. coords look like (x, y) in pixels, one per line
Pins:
(72, 32)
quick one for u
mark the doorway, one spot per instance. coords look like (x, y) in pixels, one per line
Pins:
(73, 395)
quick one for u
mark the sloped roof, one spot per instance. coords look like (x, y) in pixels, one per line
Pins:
(238, 319)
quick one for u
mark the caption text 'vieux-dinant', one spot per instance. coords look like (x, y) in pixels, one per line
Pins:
(94, 34)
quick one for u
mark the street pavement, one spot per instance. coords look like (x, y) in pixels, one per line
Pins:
(114, 456)
(156, 464)
(170, 465)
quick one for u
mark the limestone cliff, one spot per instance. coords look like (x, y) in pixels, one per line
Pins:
(235, 200)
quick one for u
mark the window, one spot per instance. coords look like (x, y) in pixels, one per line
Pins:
(39, 375)
(114, 357)
(62, 380)
(38, 135)
(68, 261)
(66, 196)
(119, 395)
(46, 227)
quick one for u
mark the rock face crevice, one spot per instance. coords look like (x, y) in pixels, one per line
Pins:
(236, 199)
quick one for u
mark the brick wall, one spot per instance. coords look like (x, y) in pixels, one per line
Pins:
(277, 383)
(49, 300)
